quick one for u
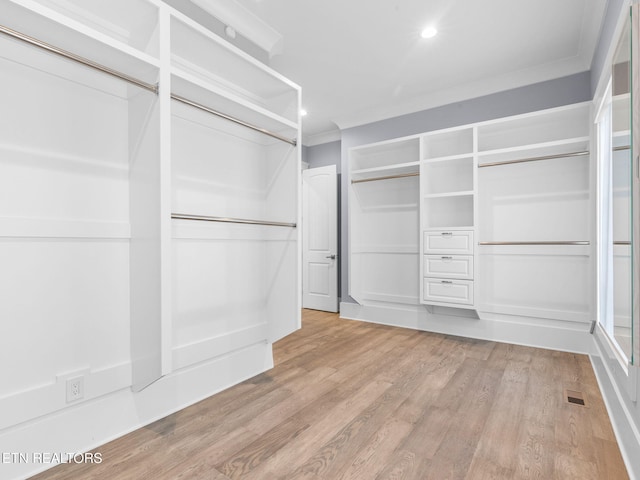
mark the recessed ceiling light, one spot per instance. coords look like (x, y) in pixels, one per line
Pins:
(230, 32)
(303, 112)
(244, 22)
(429, 32)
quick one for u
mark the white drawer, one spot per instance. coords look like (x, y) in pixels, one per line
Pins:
(448, 266)
(448, 291)
(448, 241)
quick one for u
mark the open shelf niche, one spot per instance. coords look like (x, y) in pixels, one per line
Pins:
(447, 217)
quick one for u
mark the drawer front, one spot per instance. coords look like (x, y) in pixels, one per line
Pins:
(449, 241)
(448, 291)
(448, 266)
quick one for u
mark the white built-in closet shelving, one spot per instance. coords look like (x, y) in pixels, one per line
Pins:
(535, 226)
(383, 215)
(98, 279)
(499, 218)
(621, 226)
(234, 283)
(447, 216)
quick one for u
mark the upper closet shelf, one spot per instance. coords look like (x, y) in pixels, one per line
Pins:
(129, 47)
(200, 54)
(461, 193)
(622, 98)
(448, 158)
(449, 143)
(621, 113)
(622, 134)
(194, 90)
(397, 168)
(388, 172)
(530, 130)
(391, 155)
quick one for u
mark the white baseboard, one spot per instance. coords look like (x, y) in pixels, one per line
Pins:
(95, 422)
(531, 332)
(617, 388)
(50, 398)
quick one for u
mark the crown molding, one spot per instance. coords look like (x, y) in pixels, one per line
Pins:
(322, 137)
(463, 92)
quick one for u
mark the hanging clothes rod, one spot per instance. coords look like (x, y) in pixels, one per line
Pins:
(535, 159)
(206, 218)
(622, 147)
(77, 58)
(387, 177)
(533, 243)
(186, 101)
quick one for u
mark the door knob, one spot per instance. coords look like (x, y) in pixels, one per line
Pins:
(332, 257)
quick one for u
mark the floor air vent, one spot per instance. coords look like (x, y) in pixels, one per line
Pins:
(574, 398)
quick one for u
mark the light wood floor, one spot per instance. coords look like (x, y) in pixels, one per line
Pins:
(350, 400)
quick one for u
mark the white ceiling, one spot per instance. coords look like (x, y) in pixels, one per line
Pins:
(360, 61)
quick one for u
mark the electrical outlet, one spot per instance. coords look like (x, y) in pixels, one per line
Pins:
(75, 389)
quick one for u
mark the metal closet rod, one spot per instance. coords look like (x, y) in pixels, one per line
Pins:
(206, 218)
(535, 159)
(622, 147)
(620, 242)
(77, 58)
(186, 101)
(534, 243)
(387, 177)
(123, 76)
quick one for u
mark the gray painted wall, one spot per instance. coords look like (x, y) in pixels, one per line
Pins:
(323, 155)
(553, 93)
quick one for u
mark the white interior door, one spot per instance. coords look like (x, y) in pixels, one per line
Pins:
(320, 239)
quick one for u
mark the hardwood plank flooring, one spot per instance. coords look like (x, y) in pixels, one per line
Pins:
(359, 401)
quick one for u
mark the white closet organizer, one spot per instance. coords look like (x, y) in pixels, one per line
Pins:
(234, 199)
(502, 212)
(447, 219)
(70, 137)
(114, 123)
(383, 219)
(621, 208)
(534, 222)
